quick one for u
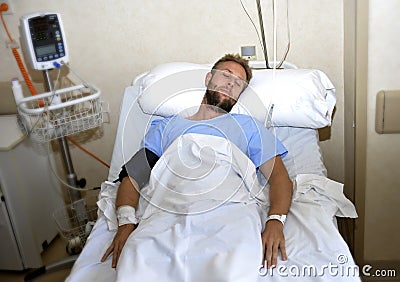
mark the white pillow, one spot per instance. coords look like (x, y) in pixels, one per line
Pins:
(300, 97)
(164, 70)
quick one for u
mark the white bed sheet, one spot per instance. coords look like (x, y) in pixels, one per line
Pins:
(312, 238)
(313, 242)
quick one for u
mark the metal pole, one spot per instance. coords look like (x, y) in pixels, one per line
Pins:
(65, 153)
(260, 19)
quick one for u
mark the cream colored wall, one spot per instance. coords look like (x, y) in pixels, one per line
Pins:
(111, 42)
(382, 224)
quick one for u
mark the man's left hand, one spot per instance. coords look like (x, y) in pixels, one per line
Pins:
(273, 240)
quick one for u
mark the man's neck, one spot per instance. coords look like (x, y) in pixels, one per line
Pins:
(207, 112)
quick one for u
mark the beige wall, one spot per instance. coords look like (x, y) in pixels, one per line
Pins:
(111, 42)
(382, 191)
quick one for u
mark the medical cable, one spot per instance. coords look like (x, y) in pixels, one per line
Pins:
(274, 35)
(88, 152)
(254, 25)
(62, 181)
(46, 105)
(265, 48)
(13, 45)
(263, 44)
(288, 37)
(69, 138)
(77, 75)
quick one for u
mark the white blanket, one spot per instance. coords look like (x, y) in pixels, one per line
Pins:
(201, 194)
(196, 173)
(203, 218)
(211, 232)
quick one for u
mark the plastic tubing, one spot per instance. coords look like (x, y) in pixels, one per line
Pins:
(88, 152)
(24, 73)
(17, 57)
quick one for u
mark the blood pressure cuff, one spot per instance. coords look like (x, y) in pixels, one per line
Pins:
(139, 167)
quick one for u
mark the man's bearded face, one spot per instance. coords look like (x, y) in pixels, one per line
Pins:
(220, 100)
(224, 87)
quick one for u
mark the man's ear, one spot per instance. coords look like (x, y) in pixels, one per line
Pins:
(208, 78)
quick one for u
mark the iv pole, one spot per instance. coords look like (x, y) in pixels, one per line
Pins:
(77, 204)
(75, 195)
(71, 175)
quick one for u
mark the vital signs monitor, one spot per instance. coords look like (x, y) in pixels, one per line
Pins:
(43, 40)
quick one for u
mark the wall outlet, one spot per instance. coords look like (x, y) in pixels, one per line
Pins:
(247, 52)
(10, 7)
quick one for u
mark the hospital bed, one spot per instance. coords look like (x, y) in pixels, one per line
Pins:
(303, 101)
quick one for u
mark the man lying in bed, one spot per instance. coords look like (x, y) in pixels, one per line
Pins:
(228, 78)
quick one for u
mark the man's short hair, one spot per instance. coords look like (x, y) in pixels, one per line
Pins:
(237, 59)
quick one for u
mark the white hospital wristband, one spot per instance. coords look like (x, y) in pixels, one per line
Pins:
(126, 215)
(280, 217)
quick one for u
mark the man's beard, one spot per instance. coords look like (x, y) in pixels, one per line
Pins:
(221, 102)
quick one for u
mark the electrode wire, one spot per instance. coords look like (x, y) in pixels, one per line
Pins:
(77, 75)
(4, 23)
(262, 42)
(254, 25)
(46, 105)
(17, 57)
(261, 21)
(275, 35)
(87, 152)
(288, 37)
(62, 181)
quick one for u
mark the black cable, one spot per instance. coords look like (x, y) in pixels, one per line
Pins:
(254, 25)
(262, 33)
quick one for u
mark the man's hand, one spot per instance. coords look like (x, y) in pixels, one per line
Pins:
(273, 240)
(118, 243)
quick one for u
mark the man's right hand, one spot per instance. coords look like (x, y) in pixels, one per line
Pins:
(118, 243)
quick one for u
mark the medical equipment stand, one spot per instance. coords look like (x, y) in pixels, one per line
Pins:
(66, 156)
(75, 196)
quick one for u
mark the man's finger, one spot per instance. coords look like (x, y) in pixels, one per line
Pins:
(283, 251)
(263, 257)
(107, 253)
(115, 256)
(268, 254)
(274, 259)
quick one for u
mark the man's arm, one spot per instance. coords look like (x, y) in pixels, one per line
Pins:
(280, 195)
(127, 195)
(134, 175)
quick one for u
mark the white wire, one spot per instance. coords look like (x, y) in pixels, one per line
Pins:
(52, 166)
(77, 75)
(288, 37)
(254, 25)
(46, 106)
(53, 170)
(275, 38)
(278, 65)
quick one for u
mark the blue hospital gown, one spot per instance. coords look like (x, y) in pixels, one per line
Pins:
(248, 134)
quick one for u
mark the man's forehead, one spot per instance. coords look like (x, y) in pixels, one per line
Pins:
(233, 68)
